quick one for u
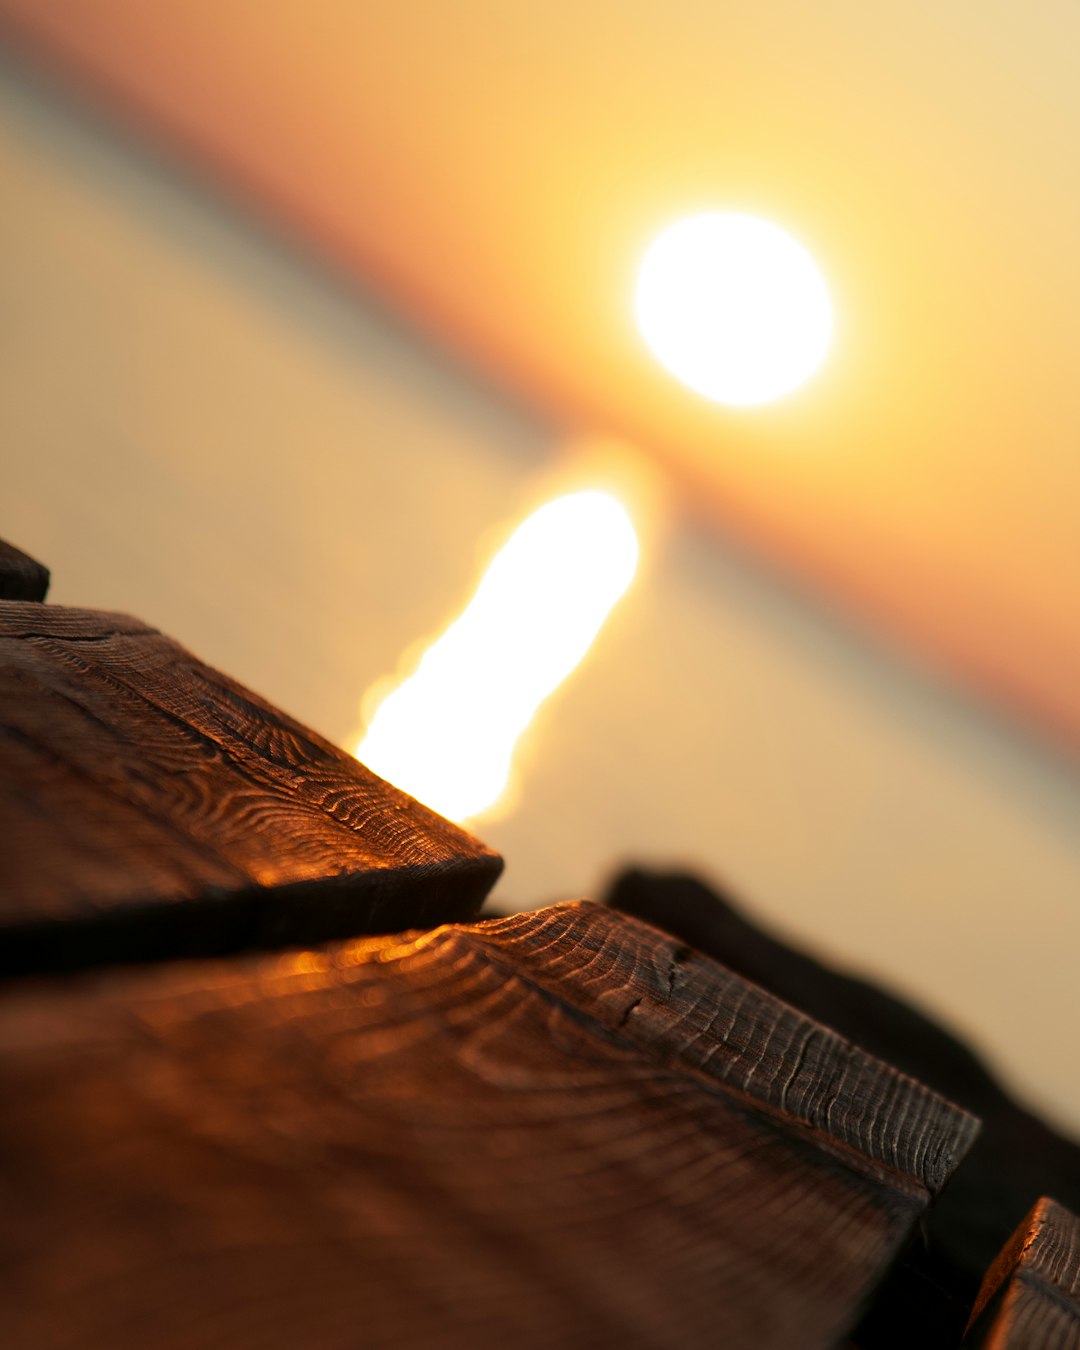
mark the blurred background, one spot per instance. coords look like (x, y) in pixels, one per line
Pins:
(304, 307)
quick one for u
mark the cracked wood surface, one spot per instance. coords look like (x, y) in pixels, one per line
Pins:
(555, 1130)
(151, 807)
(1016, 1158)
(21, 578)
(1030, 1299)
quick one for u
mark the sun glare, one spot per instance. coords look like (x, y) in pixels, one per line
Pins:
(447, 733)
(734, 307)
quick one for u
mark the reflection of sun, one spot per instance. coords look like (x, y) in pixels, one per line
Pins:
(734, 307)
(447, 733)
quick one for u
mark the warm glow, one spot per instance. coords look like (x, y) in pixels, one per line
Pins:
(734, 307)
(447, 733)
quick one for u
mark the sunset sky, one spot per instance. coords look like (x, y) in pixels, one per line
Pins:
(497, 171)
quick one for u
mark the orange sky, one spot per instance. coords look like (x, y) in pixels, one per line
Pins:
(498, 170)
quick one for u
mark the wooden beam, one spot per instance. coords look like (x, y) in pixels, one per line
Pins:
(1016, 1158)
(151, 807)
(559, 1129)
(1030, 1299)
(21, 578)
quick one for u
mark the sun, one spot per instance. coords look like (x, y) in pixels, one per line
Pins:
(734, 307)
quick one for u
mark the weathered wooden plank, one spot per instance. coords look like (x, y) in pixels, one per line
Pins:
(560, 1129)
(21, 578)
(1016, 1158)
(150, 806)
(1030, 1299)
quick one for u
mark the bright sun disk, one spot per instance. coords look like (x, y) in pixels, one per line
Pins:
(734, 307)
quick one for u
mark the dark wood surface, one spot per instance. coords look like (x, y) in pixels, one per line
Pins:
(21, 578)
(151, 807)
(1016, 1158)
(556, 1130)
(1030, 1299)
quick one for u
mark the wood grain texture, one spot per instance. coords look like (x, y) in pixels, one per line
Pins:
(1016, 1158)
(555, 1130)
(21, 578)
(1030, 1299)
(150, 806)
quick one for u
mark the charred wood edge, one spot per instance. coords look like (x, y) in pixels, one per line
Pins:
(83, 628)
(1016, 1158)
(21, 578)
(413, 892)
(640, 985)
(634, 985)
(1041, 1261)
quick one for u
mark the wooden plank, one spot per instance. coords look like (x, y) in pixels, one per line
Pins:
(1016, 1157)
(1030, 1299)
(150, 807)
(21, 578)
(559, 1129)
